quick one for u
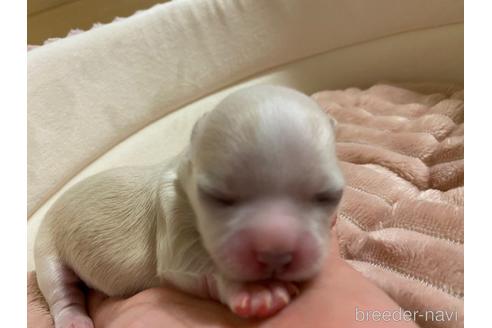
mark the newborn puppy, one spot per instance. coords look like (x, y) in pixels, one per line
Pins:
(240, 216)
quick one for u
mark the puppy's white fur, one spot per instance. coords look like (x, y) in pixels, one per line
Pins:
(262, 164)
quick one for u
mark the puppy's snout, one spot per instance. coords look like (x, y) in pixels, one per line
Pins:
(272, 246)
(274, 260)
(274, 243)
(273, 239)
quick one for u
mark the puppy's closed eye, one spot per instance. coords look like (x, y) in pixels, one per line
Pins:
(328, 197)
(217, 198)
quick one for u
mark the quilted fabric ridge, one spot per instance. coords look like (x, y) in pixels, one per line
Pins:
(401, 218)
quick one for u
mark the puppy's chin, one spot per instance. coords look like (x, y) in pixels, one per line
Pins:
(254, 273)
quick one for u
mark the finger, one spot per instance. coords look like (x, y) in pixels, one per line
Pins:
(334, 249)
(333, 220)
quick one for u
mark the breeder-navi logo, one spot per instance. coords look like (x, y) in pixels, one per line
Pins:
(405, 315)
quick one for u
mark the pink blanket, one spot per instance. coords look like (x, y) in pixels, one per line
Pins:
(401, 218)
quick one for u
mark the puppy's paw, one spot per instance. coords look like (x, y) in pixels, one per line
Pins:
(69, 318)
(260, 299)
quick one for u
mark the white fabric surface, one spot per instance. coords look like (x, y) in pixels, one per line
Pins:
(89, 92)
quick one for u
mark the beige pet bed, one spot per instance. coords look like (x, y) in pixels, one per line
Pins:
(129, 92)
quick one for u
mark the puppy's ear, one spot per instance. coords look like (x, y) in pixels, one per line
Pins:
(186, 165)
(333, 122)
(196, 127)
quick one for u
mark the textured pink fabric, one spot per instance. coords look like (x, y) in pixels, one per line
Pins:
(401, 218)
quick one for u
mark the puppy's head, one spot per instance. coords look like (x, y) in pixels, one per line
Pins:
(263, 179)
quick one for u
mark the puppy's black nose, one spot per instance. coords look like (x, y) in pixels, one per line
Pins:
(275, 260)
